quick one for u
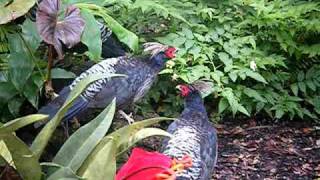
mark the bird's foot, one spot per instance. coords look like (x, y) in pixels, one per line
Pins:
(127, 117)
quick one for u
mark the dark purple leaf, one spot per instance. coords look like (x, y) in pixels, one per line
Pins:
(54, 31)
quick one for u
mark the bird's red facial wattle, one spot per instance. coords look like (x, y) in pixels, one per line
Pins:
(184, 90)
(170, 52)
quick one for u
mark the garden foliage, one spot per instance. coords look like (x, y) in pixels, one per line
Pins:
(263, 56)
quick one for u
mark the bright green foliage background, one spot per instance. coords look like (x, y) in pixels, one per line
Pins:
(219, 39)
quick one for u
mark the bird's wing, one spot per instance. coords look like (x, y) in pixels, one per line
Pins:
(209, 149)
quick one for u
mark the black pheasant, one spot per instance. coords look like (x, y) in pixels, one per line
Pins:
(193, 135)
(141, 73)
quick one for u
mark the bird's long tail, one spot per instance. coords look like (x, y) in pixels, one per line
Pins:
(53, 107)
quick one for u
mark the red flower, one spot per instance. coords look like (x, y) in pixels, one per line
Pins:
(143, 165)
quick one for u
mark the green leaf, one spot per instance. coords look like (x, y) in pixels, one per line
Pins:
(232, 100)
(254, 94)
(14, 9)
(102, 162)
(73, 152)
(300, 76)
(30, 34)
(14, 105)
(123, 34)
(31, 92)
(58, 73)
(18, 123)
(311, 85)
(25, 162)
(7, 91)
(294, 88)
(55, 171)
(224, 57)
(279, 113)
(256, 76)
(5, 153)
(20, 69)
(243, 110)
(223, 104)
(302, 87)
(91, 36)
(43, 137)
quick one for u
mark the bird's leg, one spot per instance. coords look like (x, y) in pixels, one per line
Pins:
(127, 117)
(75, 123)
(65, 126)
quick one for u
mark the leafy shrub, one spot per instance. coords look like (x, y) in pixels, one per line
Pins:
(262, 55)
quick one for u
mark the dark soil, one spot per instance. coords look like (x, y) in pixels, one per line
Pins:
(248, 150)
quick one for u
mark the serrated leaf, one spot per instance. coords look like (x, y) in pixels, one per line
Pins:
(223, 105)
(279, 113)
(253, 93)
(224, 57)
(294, 89)
(302, 87)
(232, 100)
(243, 110)
(256, 76)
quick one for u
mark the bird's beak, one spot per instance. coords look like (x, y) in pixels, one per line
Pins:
(178, 87)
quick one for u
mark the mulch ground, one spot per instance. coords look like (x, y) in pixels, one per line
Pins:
(248, 150)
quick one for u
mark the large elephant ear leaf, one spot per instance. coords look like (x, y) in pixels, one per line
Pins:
(56, 31)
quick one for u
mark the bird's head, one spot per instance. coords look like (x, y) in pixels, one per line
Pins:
(155, 48)
(204, 88)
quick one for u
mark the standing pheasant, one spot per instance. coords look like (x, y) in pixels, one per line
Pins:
(141, 73)
(193, 135)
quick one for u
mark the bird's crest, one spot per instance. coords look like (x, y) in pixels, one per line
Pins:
(154, 48)
(204, 87)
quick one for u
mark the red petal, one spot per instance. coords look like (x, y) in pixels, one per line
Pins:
(143, 165)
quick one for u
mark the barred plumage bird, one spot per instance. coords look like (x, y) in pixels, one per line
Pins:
(193, 135)
(141, 73)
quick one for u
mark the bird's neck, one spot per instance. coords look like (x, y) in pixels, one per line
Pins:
(158, 61)
(195, 102)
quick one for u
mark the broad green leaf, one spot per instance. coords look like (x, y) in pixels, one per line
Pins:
(20, 69)
(18, 123)
(5, 153)
(30, 34)
(73, 152)
(139, 135)
(102, 161)
(254, 94)
(124, 35)
(124, 134)
(25, 162)
(55, 171)
(31, 92)
(91, 36)
(43, 137)
(58, 73)
(14, 9)
(14, 105)
(256, 76)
